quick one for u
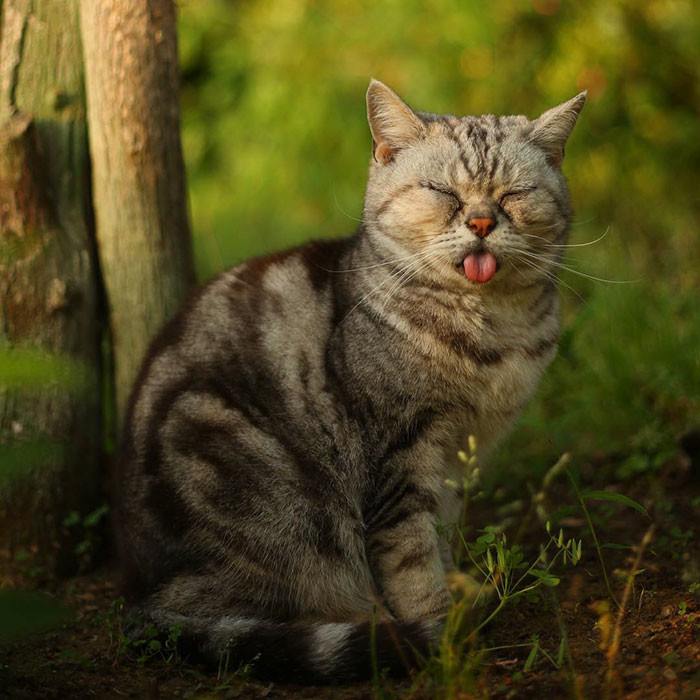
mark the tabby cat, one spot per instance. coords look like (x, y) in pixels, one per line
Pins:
(291, 430)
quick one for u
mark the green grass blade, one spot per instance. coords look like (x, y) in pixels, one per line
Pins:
(615, 498)
(531, 657)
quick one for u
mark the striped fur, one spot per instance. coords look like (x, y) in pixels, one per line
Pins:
(291, 430)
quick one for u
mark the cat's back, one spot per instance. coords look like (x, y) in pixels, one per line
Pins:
(260, 313)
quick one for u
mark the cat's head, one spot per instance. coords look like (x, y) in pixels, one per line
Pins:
(477, 201)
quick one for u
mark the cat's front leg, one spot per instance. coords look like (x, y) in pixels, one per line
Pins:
(408, 566)
(403, 547)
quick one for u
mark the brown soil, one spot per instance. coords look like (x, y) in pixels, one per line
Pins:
(658, 655)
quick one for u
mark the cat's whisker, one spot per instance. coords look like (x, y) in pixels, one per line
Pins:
(405, 279)
(371, 267)
(570, 245)
(594, 278)
(345, 213)
(583, 222)
(541, 257)
(573, 271)
(587, 243)
(539, 238)
(415, 268)
(406, 274)
(557, 255)
(548, 227)
(390, 277)
(550, 276)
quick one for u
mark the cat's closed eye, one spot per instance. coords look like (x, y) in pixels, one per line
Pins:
(515, 195)
(445, 192)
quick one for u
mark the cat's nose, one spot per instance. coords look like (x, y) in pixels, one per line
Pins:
(482, 226)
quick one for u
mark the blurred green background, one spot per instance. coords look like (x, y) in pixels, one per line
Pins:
(277, 147)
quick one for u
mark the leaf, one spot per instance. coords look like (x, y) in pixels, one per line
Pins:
(94, 518)
(487, 538)
(613, 545)
(477, 549)
(560, 653)
(615, 498)
(501, 557)
(545, 577)
(531, 657)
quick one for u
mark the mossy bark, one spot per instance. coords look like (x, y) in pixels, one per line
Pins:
(48, 279)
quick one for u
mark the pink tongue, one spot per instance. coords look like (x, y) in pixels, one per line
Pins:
(480, 267)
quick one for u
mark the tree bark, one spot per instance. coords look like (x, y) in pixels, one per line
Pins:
(142, 228)
(48, 279)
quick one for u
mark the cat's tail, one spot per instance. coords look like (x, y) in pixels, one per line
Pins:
(316, 653)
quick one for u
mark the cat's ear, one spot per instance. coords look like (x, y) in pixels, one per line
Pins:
(392, 122)
(554, 127)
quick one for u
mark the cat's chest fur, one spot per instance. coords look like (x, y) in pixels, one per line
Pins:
(481, 359)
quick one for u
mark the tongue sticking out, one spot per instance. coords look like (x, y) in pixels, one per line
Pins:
(480, 267)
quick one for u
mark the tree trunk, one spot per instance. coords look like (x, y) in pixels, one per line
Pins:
(48, 280)
(138, 178)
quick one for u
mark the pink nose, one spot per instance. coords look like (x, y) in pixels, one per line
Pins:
(482, 227)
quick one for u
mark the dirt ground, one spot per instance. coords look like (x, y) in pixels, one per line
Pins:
(658, 655)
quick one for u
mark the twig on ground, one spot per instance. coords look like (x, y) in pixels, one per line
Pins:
(614, 646)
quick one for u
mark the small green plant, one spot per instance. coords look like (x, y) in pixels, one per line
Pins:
(470, 486)
(507, 575)
(148, 644)
(629, 578)
(501, 565)
(112, 622)
(224, 677)
(87, 531)
(151, 644)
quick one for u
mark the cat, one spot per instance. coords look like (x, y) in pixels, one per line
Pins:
(291, 431)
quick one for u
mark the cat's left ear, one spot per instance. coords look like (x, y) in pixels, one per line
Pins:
(393, 124)
(554, 127)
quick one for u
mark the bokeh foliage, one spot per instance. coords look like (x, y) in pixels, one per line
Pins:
(277, 147)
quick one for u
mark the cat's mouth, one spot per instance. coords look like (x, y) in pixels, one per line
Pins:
(479, 266)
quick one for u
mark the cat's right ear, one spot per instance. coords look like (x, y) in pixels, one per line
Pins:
(554, 127)
(392, 122)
